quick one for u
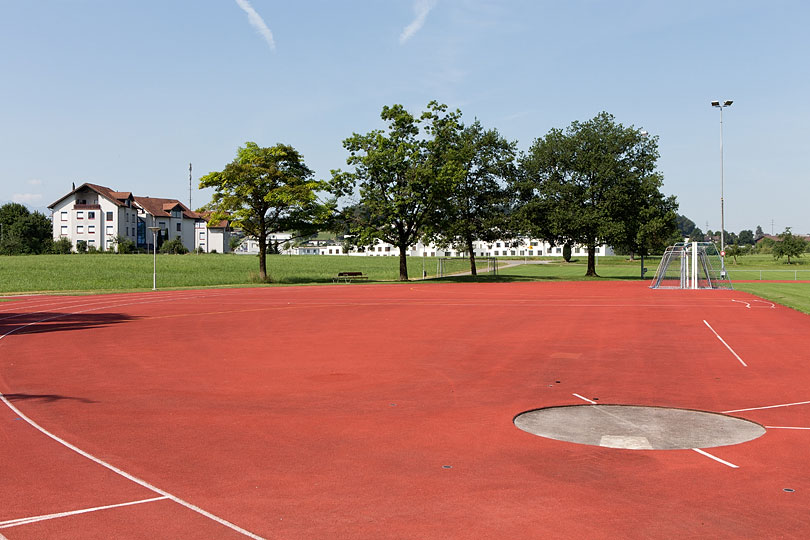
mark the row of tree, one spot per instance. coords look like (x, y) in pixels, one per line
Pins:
(432, 178)
(746, 237)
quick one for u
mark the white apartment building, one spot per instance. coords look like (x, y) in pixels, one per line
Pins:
(95, 215)
(173, 217)
(521, 247)
(250, 246)
(212, 236)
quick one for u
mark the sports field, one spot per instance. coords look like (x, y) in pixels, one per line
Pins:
(387, 411)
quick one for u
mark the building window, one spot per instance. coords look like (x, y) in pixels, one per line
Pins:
(64, 230)
(64, 216)
(79, 214)
(387, 248)
(495, 253)
(91, 229)
(91, 215)
(498, 244)
(559, 250)
(109, 216)
(109, 229)
(179, 227)
(202, 235)
(91, 242)
(79, 229)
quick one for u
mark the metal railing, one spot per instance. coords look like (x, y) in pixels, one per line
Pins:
(795, 273)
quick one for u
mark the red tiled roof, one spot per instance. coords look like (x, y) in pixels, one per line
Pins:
(161, 207)
(116, 197)
(213, 225)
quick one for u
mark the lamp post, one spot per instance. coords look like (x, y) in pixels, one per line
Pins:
(726, 103)
(154, 256)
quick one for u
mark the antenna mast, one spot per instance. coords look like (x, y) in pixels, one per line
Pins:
(189, 186)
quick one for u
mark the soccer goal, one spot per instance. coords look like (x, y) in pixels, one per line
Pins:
(452, 265)
(688, 265)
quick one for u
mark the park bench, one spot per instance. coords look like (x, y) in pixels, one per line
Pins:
(348, 277)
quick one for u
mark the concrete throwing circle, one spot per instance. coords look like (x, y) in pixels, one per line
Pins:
(638, 428)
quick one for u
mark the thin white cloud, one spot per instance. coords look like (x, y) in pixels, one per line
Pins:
(421, 8)
(35, 182)
(26, 198)
(257, 22)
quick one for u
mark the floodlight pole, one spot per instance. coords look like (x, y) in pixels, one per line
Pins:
(726, 103)
(644, 134)
(154, 256)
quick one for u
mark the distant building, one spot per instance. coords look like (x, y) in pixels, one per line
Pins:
(173, 217)
(95, 215)
(98, 216)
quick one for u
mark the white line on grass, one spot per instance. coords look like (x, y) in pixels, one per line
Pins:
(585, 399)
(34, 519)
(726, 344)
(708, 455)
(768, 407)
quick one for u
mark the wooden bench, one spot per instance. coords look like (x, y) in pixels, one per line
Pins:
(348, 277)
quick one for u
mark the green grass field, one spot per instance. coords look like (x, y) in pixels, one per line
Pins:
(110, 272)
(80, 274)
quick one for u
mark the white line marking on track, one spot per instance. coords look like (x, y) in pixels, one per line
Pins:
(103, 463)
(708, 455)
(786, 427)
(768, 407)
(769, 305)
(585, 399)
(726, 344)
(34, 519)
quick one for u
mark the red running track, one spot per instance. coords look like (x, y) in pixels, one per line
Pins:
(386, 412)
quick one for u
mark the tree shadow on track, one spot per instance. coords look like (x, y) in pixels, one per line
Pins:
(46, 398)
(40, 323)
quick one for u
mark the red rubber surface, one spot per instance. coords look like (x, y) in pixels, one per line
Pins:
(332, 412)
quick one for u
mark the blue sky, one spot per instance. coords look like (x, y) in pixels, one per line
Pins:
(127, 93)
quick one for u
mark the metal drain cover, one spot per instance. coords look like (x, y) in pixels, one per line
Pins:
(638, 428)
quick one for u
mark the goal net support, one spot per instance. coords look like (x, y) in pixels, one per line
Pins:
(688, 265)
(446, 266)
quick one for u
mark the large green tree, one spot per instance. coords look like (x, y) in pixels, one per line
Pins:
(397, 178)
(24, 232)
(789, 245)
(265, 190)
(595, 183)
(478, 163)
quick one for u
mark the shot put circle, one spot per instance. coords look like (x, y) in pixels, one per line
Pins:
(638, 428)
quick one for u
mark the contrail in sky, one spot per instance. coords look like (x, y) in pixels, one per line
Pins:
(257, 22)
(422, 8)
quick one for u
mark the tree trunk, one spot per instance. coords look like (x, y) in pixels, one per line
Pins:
(403, 263)
(471, 251)
(591, 261)
(262, 257)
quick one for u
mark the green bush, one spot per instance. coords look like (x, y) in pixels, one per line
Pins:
(175, 247)
(81, 246)
(63, 246)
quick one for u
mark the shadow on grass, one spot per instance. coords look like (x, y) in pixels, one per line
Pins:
(46, 398)
(41, 323)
